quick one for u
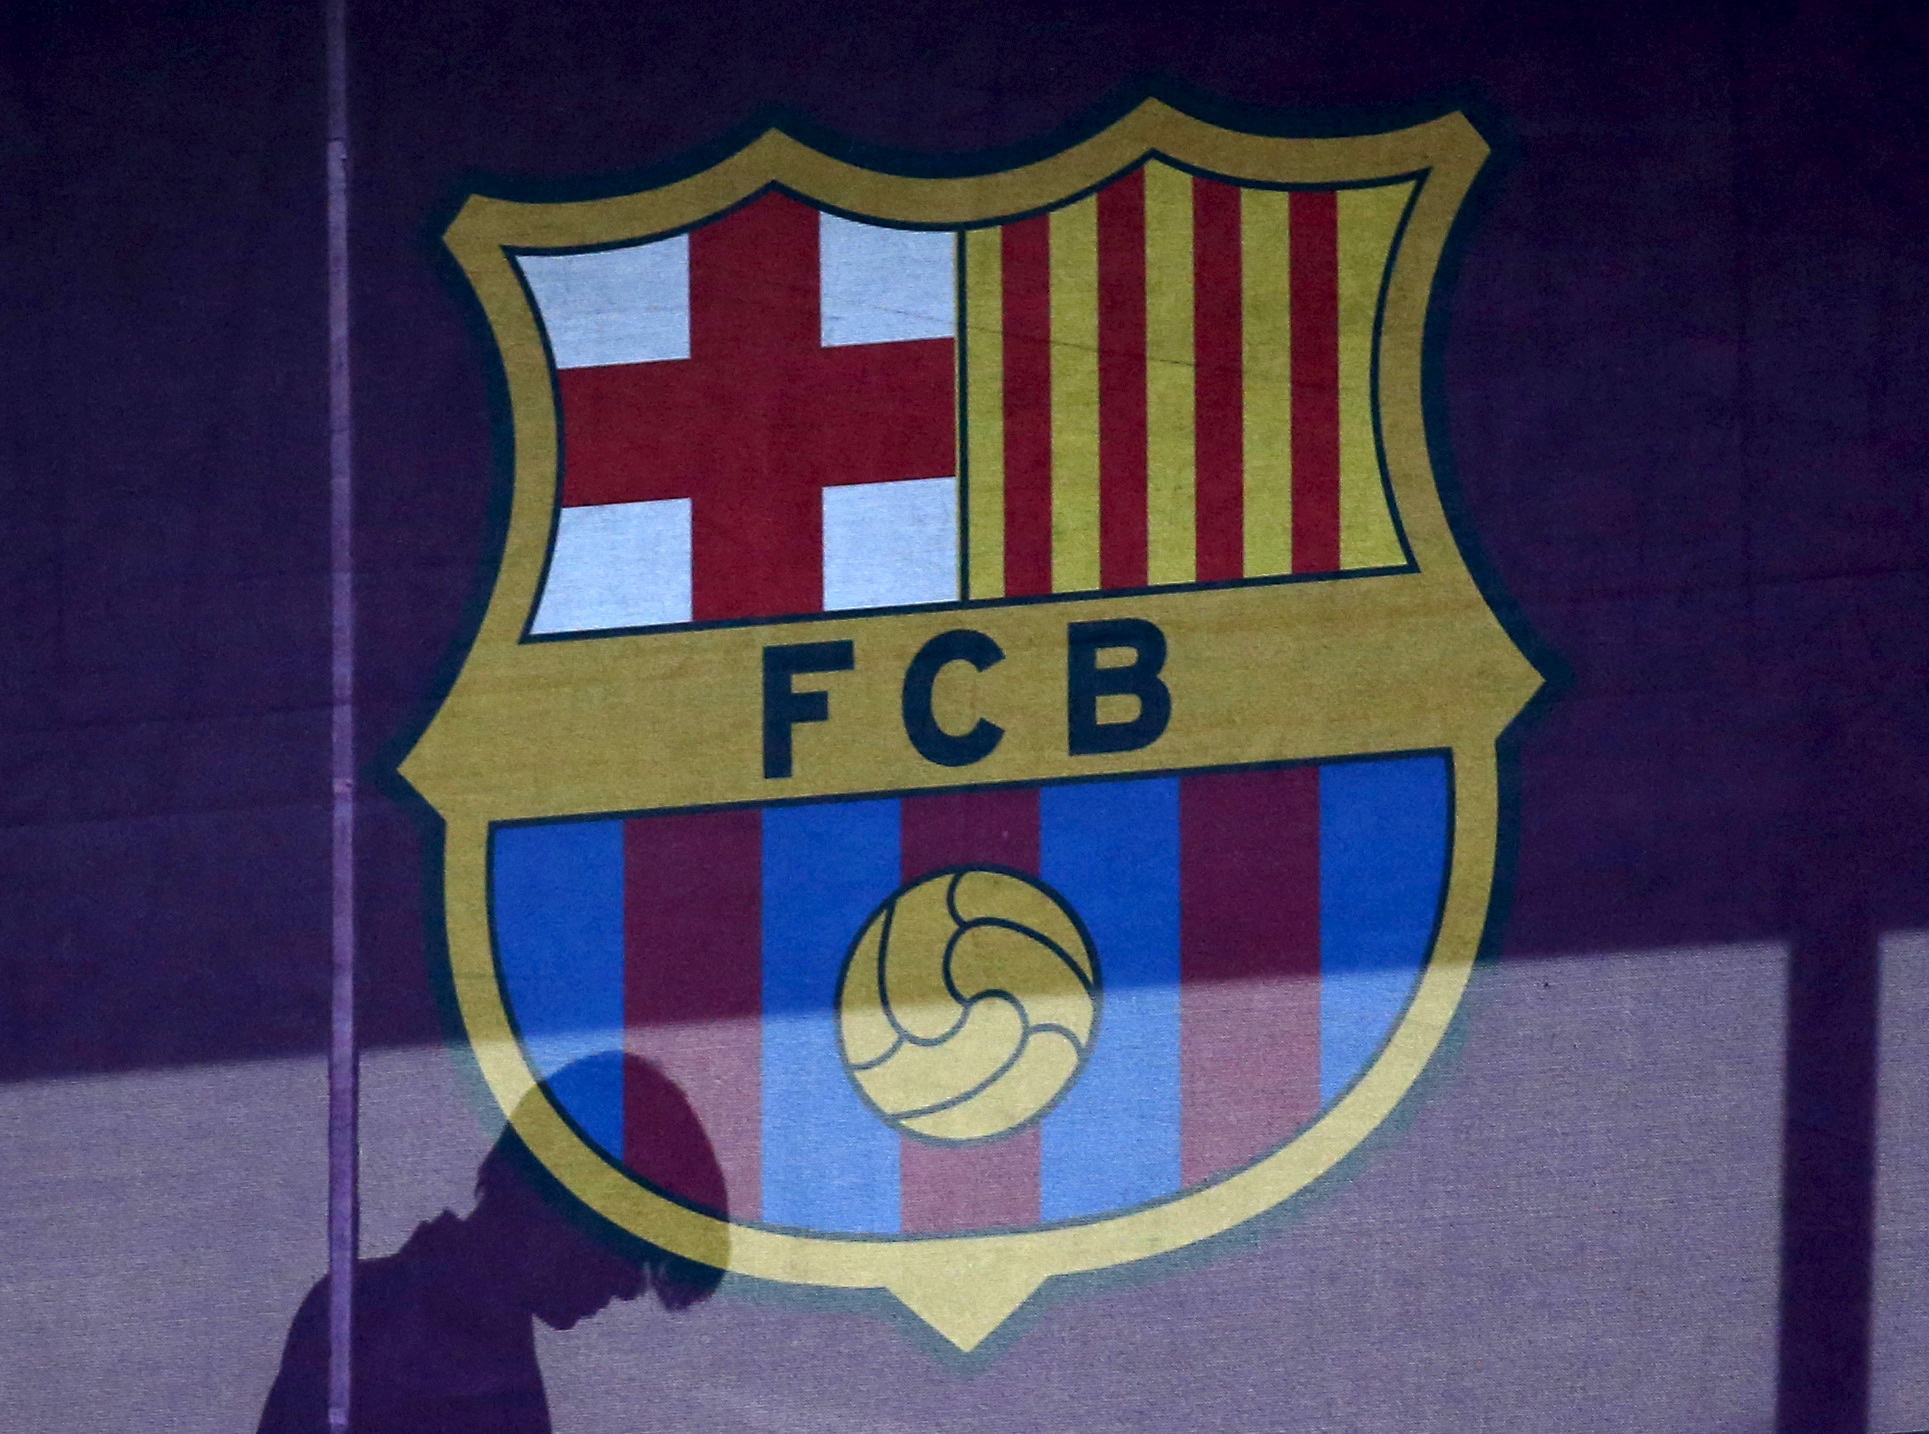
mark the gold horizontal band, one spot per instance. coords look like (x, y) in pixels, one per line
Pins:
(675, 719)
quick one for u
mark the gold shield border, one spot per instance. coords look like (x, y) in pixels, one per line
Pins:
(966, 1285)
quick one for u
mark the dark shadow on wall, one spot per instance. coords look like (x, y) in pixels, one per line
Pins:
(444, 1327)
(1844, 827)
(1828, 1175)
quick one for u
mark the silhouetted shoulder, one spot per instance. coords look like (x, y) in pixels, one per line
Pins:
(298, 1399)
(433, 1353)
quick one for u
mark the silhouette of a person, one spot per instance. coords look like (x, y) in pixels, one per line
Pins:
(444, 1341)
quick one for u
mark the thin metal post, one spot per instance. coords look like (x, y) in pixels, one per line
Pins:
(342, 1096)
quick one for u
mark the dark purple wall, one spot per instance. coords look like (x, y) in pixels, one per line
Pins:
(1685, 389)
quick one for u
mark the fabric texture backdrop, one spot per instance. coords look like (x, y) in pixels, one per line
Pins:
(1683, 399)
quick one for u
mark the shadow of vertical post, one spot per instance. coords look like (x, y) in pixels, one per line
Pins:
(1828, 1129)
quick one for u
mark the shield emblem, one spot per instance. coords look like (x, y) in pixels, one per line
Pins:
(980, 688)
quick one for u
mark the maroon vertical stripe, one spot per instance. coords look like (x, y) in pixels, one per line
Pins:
(1316, 380)
(1218, 334)
(693, 1002)
(993, 1185)
(1249, 1003)
(1027, 292)
(754, 315)
(1121, 382)
(986, 827)
(755, 284)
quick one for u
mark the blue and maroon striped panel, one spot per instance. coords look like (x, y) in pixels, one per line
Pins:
(1259, 933)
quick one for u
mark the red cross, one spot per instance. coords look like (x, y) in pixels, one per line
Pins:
(760, 418)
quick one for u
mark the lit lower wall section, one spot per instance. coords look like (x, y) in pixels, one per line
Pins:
(157, 1230)
(1899, 1354)
(1574, 1226)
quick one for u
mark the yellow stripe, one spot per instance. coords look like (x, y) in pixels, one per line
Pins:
(984, 405)
(1171, 550)
(1368, 219)
(1074, 279)
(1266, 315)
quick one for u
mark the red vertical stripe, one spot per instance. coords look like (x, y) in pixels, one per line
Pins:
(988, 827)
(1316, 380)
(1249, 962)
(993, 1185)
(754, 283)
(1219, 396)
(1121, 382)
(693, 946)
(754, 314)
(1027, 290)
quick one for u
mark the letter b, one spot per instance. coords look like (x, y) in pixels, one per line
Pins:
(1086, 682)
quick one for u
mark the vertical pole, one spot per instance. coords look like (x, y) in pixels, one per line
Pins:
(342, 1213)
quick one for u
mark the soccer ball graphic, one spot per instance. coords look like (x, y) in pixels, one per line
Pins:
(967, 1004)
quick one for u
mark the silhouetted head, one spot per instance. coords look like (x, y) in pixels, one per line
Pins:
(562, 1263)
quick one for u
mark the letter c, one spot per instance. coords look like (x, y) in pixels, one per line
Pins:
(935, 744)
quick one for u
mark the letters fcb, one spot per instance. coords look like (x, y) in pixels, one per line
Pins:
(980, 688)
(1086, 682)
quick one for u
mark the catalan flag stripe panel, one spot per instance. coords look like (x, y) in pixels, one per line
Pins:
(1172, 380)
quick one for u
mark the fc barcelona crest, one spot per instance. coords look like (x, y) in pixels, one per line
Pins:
(980, 689)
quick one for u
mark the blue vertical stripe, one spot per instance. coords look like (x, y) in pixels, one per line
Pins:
(1383, 859)
(829, 1162)
(556, 899)
(1112, 849)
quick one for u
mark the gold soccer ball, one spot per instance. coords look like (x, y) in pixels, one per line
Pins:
(967, 1004)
